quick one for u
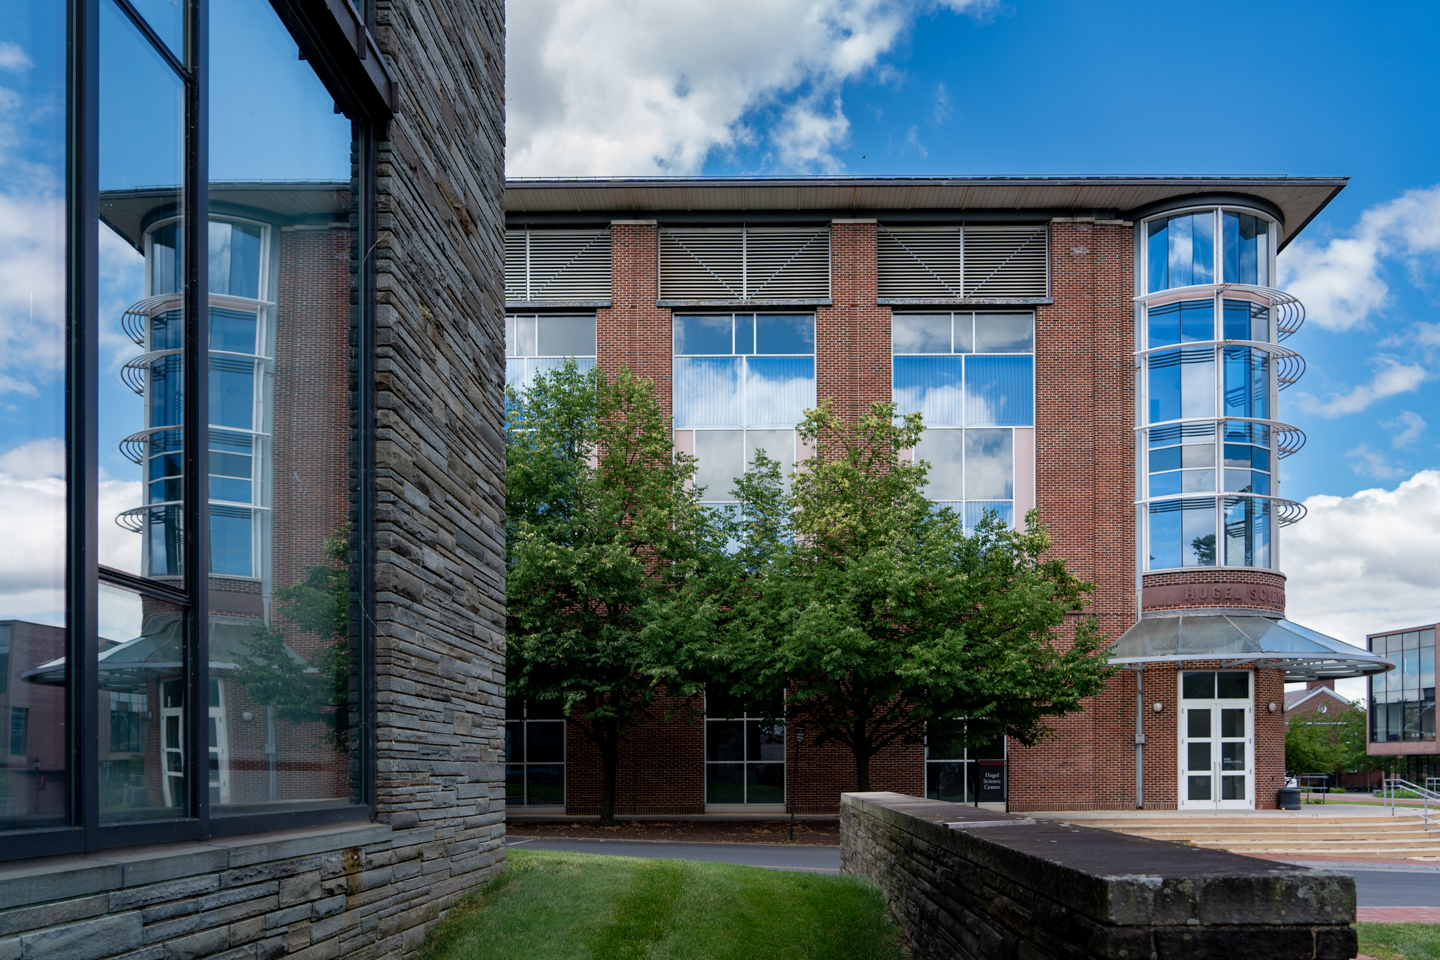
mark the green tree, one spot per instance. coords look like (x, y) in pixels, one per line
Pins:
(275, 675)
(602, 528)
(1313, 744)
(877, 614)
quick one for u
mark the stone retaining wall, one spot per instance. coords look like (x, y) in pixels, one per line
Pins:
(971, 883)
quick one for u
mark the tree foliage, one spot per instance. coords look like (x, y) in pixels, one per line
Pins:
(1313, 744)
(875, 612)
(275, 675)
(602, 526)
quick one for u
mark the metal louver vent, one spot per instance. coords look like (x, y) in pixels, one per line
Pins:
(744, 264)
(557, 267)
(963, 264)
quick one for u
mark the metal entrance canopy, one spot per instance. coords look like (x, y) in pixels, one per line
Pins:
(1246, 639)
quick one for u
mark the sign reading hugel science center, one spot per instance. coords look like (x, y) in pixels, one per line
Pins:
(1217, 594)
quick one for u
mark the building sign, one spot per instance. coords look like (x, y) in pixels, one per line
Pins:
(1214, 595)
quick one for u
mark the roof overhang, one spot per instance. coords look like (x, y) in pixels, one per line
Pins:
(1241, 640)
(1297, 199)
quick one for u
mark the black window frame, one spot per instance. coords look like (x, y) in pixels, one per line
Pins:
(336, 41)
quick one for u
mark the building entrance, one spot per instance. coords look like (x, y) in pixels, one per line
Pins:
(1217, 740)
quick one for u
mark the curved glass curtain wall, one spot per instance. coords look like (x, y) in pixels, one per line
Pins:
(241, 356)
(1211, 367)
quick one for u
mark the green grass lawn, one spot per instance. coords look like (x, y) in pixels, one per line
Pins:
(1400, 941)
(553, 906)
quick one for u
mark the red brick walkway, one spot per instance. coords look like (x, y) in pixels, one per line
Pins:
(1397, 914)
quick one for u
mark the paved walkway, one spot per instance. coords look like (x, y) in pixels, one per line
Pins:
(780, 856)
(1398, 914)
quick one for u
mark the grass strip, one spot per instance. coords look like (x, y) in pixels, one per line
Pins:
(574, 906)
(1400, 941)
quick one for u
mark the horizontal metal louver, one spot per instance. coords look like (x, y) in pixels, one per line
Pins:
(557, 266)
(919, 262)
(979, 264)
(1006, 263)
(765, 264)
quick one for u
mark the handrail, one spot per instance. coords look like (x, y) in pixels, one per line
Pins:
(1391, 784)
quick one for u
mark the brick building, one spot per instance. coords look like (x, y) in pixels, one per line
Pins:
(1106, 350)
(252, 610)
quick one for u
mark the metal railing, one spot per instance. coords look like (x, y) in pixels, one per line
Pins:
(1313, 782)
(1393, 785)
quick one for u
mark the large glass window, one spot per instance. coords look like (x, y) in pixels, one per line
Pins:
(284, 684)
(536, 344)
(744, 752)
(1210, 371)
(267, 283)
(1180, 251)
(971, 376)
(534, 755)
(1402, 701)
(959, 773)
(34, 771)
(742, 383)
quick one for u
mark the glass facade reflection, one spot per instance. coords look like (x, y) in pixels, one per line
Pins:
(1210, 371)
(1402, 702)
(35, 768)
(971, 376)
(742, 383)
(263, 283)
(536, 344)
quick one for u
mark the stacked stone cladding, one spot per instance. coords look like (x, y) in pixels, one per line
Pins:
(978, 885)
(439, 450)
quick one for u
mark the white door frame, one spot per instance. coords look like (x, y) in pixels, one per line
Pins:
(1223, 742)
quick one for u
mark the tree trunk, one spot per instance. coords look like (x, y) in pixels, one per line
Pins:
(609, 764)
(862, 772)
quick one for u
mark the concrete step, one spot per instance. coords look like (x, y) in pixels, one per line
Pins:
(1379, 837)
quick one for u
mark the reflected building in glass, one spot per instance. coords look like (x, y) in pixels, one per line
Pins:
(1104, 356)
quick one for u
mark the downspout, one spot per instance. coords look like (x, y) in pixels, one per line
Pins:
(1139, 737)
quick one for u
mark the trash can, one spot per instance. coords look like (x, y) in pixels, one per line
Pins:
(1288, 798)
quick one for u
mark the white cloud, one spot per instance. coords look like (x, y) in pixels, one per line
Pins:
(32, 514)
(1367, 562)
(1343, 282)
(1370, 462)
(14, 57)
(1392, 378)
(595, 87)
(1408, 426)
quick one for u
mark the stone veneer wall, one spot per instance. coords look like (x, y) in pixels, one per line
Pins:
(367, 890)
(975, 884)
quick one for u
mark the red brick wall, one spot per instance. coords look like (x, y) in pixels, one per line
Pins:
(852, 336)
(1085, 469)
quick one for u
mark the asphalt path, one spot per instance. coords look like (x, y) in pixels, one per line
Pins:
(1402, 887)
(781, 856)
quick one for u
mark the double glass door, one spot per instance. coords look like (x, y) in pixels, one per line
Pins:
(1217, 740)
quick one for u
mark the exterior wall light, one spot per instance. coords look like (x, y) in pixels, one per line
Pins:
(1273, 707)
(1159, 707)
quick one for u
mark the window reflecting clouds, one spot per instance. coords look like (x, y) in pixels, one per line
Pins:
(967, 375)
(742, 382)
(539, 344)
(34, 770)
(1193, 381)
